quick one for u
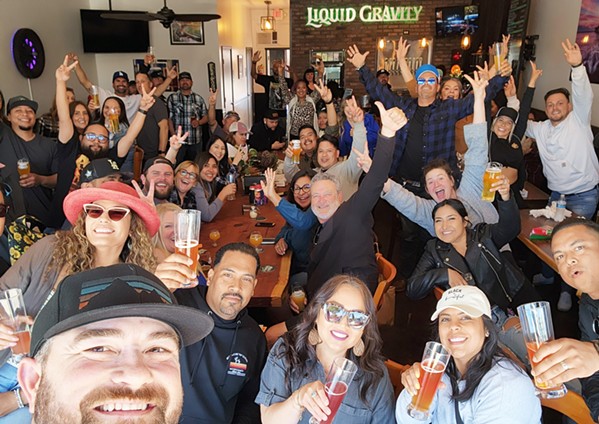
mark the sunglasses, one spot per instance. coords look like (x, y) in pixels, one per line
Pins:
(334, 312)
(188, 174)
(304, 189)
(430, 81)
(93, 137)
(3, 210)
(115, 213)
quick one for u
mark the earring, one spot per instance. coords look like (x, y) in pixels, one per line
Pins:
(359, 348)
(313, 337)
(487, 334)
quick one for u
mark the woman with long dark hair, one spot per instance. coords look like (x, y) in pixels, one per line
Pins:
(480, 385)
(339, 322)
(208, 201)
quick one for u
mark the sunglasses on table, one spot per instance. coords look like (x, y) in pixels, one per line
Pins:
(3, 210)
(334, 312)
(188, 174)
(304, 189)
(115, 213)
(430, 81)
(99, 137)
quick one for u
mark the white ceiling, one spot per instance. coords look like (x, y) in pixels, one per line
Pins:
(275, 3)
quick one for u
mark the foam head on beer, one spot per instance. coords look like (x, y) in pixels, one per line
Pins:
(468, 299)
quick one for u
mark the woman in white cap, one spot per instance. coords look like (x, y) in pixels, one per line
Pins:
(480, 385)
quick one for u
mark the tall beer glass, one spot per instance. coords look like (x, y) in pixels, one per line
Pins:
(492, 173)
(339, 377)
(187, 234)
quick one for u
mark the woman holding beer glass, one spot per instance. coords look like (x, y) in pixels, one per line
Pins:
(480, 385)
(339, 322)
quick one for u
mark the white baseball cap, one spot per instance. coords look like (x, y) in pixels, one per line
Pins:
(468, 299)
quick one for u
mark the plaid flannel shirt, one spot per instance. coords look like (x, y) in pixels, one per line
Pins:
(181, 108)
(439, 123)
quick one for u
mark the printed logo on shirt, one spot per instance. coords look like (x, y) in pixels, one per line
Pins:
(238, 364)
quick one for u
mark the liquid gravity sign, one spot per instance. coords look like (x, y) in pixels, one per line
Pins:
(317, 17)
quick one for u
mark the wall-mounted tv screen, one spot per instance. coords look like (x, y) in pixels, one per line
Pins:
(111, 35)
(456, 20)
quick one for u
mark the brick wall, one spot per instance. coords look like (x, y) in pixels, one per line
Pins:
(365, 35)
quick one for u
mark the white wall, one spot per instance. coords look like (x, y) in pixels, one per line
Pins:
(554, 21)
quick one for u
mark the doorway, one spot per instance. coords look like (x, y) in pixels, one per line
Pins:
(227, 83)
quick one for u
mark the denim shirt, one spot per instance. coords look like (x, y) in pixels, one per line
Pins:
(380, 408)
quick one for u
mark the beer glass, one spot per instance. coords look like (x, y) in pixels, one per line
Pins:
(298, 296)
(434, 361)
(537, 328)
(296, 149)
(497, 53)
(214, 236)
(187, 234)
(95, 92)
(113, 120)
(256, 240)
(338, 380)
(231, 180)
(14, 315)
(492, 174)
(23, 167)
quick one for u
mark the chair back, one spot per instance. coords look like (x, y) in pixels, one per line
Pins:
(387, 273)
(572, 405)
(138, 158)
(395, 370)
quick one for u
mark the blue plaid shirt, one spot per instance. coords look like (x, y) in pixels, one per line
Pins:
(181, 108)
(439, 123)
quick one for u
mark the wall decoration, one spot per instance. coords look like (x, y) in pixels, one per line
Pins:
(587, 37)
(160, 65)
(187, 33)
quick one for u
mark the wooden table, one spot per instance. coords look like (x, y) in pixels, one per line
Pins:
(537, 198)
(235, 226)
(541, 248)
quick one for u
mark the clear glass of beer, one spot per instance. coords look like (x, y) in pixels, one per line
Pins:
(338, 380)
(296, 149)
(187, 234)
(95, 92)
(537, 328)
(492, 174)
(14, 315)
(434, 361)
(113, 120)
(23, 167)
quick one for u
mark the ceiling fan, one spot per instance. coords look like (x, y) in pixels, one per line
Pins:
(165, 16)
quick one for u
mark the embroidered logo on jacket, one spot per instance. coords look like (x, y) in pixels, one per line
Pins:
(238, 364)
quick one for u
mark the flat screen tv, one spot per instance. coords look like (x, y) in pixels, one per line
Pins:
(111, 35)
(457, 20)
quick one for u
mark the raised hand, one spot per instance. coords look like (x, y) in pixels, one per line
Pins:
(402, 49)
(73, 57)
(534, 74)
(393, 120)
(147, 99)
(212, 98)
(506, 68)
(63, 73)
(175, 272)
(485, 73)
(510, 87)
(325, 93)
(146, 198)
(178, 139)
(354, 113)
(256, 57)
(503, 187)
(172, 72)
(478, 84)
(572, 53)
(355, 57)
(505, 41)
(364, 160)
(268, 186)
(313, 397)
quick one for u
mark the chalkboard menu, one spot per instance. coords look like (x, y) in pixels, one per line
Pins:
(517, 23)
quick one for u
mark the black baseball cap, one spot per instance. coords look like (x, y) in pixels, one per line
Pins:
(509, 112)
(271, 114)
(157, 74)
(382, 72)
(155, 160)
(185, 75)
(120, 74)
(21, 101)
(116, 291)
(98, 168)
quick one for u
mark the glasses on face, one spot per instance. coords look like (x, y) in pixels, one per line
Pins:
(3, 210)
(99, 137)
(116, 213)
(334, 312)
(430, 81)
(188, 174)
(304, 189)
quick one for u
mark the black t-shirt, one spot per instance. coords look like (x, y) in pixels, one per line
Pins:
(72, 161)
(275, 98)
(262, 137)
(149, 136)
(410, 166)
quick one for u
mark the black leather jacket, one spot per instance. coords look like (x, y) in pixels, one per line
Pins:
(483, 266)
(587, 312)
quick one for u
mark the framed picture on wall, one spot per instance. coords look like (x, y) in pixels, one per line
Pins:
(159, 67)
(187, 33)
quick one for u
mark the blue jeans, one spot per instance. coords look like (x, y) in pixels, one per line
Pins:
(582, 204)
(8, 382)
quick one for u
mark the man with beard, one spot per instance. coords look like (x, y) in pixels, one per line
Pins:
(161, 171)
(267, 135)
(113, 335)
(308, 140)
(75, 151)
(221, 374)
(32, 191)
(188, 111)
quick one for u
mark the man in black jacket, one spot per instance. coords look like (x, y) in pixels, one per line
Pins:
(221, 374)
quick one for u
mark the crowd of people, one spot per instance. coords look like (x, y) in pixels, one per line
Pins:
(123, 328)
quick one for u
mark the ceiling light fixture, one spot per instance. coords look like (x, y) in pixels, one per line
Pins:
(267, 23)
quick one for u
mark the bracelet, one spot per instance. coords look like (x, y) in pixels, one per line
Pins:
(577, 66)
(329, 102)
(161, 152)
(143, 112)
(19, 399)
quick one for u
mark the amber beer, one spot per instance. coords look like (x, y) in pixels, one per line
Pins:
(113, 119)
(298, 296)
(23, 167)
(22, 346)
(491, 175)
(434, 361)
(296, 149)
(95, 95)
(14, 314)
(187, 235)
(189, 248)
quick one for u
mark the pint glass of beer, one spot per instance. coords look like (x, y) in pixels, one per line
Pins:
(537, 328)
(113, 120)
(296, 149)
(23, 167)
(14, 315)
(434, 361)
(95, 92)
(497, 54)
(492, 173)
(187, 234)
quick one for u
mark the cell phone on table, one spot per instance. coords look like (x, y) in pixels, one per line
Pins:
(268, 241)
(265, 224)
